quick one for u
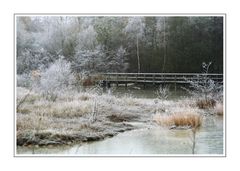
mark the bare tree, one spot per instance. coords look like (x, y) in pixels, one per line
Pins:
(164, 42)
(135, 27)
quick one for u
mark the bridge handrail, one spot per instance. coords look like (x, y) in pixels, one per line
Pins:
(156, 78)
(196, 74)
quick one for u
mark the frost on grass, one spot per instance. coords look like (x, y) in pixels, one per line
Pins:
(92, 115)
(71, 114)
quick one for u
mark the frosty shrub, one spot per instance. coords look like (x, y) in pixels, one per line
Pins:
(32, 59)
(56, 78)
(96, 90)
(89, 60)
(162, 94)
(24, 80)
(100, 60)
(206, 90)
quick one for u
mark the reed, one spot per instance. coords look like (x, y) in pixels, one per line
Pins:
(206, 104)
(219, 109)
(182, 119)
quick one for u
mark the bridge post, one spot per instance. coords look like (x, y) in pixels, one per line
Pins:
(175, 83)
(153, 79)
(126, 78)
(117, 81)
(136, 78)
(144, 81)
(108, 84)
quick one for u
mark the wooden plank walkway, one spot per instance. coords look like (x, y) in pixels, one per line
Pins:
(156, 78)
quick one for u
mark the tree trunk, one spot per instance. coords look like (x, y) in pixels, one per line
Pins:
(139, 68)
(164, 42)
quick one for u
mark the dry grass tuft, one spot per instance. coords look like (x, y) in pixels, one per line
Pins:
(190, 119)
(84, 98)
(31, 122)
(206, 104)
(23, 110)
(128, 100)
(69, 109)
(219, 109)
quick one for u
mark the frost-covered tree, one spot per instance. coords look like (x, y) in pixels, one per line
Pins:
(135, 30)
(57, 77)
(60, 36)
(153, 44)
(89, 60)
(97, 61)
(88, 54)
(30, 52)
(32, 59)
(161, 27)
(110, 34)
(121, 58)
(119, 63)
(87, 38)
(24, 37)
(164, 42)
(94, 53)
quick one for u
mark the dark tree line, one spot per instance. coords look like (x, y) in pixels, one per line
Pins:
(120, 44)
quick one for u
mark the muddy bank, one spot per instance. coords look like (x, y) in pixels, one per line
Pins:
(59, 131)
(76, 117)
(110, 126)
(84, 117)
(51, 138)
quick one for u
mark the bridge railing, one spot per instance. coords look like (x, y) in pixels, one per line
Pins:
(159, 77)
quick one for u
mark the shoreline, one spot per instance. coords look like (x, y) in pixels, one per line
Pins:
(88, 116)
(48, 138)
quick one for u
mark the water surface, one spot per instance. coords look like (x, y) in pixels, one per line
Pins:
(152, 141)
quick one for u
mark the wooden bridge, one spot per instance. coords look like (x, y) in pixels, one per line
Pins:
(156, 78)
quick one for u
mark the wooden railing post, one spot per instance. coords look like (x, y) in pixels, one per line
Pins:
(126, 78)
(153, 79)
(175, 82)
(117, 81)
(144, 80)
(136, 78)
